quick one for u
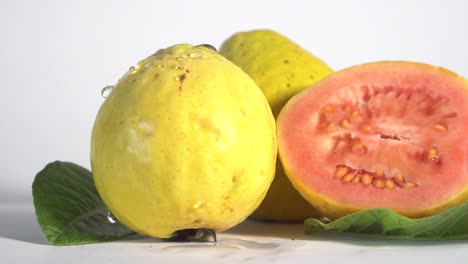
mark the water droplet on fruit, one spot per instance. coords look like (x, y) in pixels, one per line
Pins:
(182, 58)
(160, 66)
(107, 90)
(199, 204)
(207, 46)
(147, 66)
(110, 218)
(196, 55)
(159, 51)
(132, 69)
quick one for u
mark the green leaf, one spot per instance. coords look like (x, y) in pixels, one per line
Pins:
(384, 223)
(69, 209)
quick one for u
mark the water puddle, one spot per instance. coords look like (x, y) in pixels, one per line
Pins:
(229, 244)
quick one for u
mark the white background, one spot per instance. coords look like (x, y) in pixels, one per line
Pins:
(56, 56)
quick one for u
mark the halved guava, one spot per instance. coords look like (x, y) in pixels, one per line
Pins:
(386, 134)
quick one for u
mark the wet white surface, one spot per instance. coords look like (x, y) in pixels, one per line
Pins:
(21, 241)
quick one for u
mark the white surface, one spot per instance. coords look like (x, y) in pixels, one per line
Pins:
(55, 57)
(21, 241)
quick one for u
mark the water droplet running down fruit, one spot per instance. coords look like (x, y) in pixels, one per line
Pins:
(106, 91)
(110, 218)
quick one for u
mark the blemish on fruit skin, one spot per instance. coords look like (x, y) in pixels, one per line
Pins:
(146, 127)
(181, 79)
(286, 61)
(234, 179)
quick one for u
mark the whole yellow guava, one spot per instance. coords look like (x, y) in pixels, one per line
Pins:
(281, 68)
(185, 140)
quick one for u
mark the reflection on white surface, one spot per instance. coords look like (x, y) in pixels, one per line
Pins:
(230, 243)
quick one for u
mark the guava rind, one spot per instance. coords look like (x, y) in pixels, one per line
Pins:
(281, 68)
(184, 140)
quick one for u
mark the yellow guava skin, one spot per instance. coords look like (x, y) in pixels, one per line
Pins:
(184, 140)
(281, 68)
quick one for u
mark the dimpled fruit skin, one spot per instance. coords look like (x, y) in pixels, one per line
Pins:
(185, 140)
(281, 69)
